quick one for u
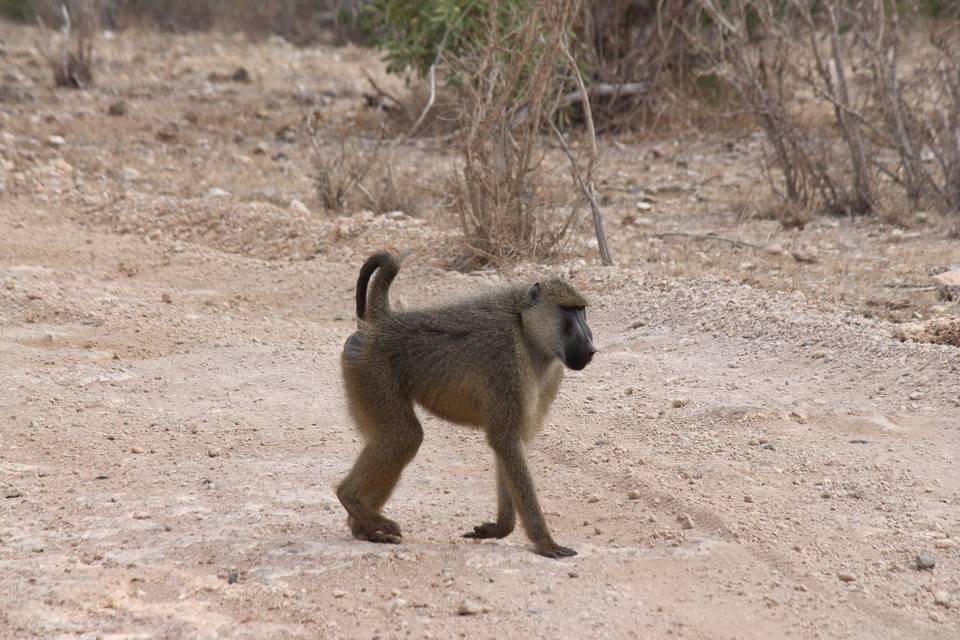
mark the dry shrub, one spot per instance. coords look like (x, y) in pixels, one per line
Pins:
(354, 173)
(512, 82)
(885, 139)
(72, 58)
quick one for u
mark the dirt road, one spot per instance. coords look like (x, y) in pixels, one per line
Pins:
(739, 461)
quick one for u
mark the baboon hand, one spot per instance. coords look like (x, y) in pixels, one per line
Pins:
(489, 530)
(553, 550)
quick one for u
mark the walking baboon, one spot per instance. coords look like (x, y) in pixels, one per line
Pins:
(494, 361)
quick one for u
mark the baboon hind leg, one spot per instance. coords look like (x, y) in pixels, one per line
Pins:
(393, 438)
(506, 512)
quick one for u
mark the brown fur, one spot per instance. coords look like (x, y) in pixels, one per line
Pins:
(490, 362)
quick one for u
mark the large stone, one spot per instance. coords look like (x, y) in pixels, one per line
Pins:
(948, 284)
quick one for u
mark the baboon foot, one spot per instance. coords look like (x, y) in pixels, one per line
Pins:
(489, 530)
(376, 529)
(553, 550)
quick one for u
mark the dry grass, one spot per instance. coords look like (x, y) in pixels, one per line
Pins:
(71, 57)
(512, 85)
(354, 173)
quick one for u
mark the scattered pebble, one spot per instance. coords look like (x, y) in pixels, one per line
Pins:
(166, 298)
(141, 515)
(686, 522)
(916, 395)
(846, 577)
(680, 402)
(56, 141)
(942, 598)
(925, 561)
(298, 207)
(469, 608)
(129, 174)
(118, 108)
(233, 577)
(594, 498)
(213, 453)
(136, 449)
(217, 192)
(339, 593)
(633, 494)
(748, 499)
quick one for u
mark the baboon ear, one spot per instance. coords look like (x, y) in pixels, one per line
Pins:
(534, 295)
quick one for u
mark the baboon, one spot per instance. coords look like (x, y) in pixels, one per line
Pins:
(493, 361)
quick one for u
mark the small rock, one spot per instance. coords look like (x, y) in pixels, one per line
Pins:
(261, 149)
(633, 494)
(916, 395)
(217, 192)
(945, 543)
(396, 603)
(118, 108)
(140, 515)
(166, 298)
(925, 561)
(948, 284)
(129, 174)
(298, 206)
(339, 593)
(56, 141)
(593, 499)
(942, 598)
(573, 574)
(168, 132)
(286, 133)
(680, 402)
(846, 577)
(644, 206)
(233, 577)
(819, 354)
(241, 75)
(748, 499)
(11, 492)
(136, 449)
(686, 522)
(469, 608)
(213, 453)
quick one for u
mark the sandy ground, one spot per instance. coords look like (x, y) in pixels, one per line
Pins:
(751, 455)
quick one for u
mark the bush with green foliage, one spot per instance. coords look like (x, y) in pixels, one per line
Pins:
(411, 33)
(21, 10)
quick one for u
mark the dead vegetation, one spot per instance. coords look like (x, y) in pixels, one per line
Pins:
(71, 56)
(510, 202)
(849, 131)
(352, 173)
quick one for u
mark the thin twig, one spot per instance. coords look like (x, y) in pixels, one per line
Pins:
(433, 94)
(799, 257)
(586, 182)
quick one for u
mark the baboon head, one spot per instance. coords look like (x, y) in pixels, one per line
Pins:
(555, 319)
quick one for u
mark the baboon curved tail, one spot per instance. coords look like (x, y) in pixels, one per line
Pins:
(379, 303)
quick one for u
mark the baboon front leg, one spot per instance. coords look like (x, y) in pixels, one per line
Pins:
(393, 443)
(510, 455)
(506, 513)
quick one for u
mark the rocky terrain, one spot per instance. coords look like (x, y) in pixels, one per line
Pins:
(754, 453)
